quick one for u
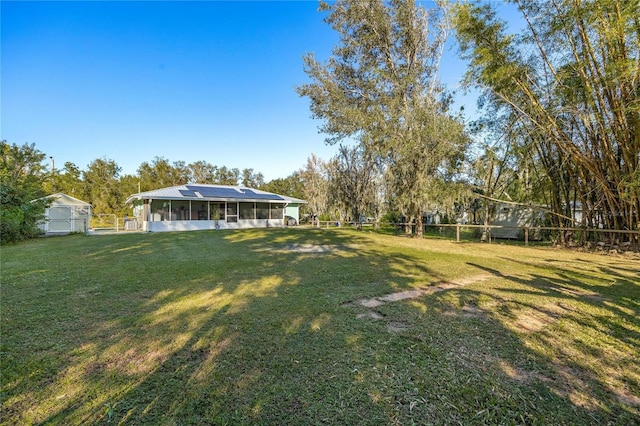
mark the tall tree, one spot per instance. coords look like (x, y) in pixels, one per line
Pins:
(573, 80)
(291, 186)
(251, 179)
(227, 176)
(202, 172)
(161, 173)
(315, 180)
(102, 186)
(352, 182)
(68, 181)
(128, 185)
(21, 180)
(380, 87)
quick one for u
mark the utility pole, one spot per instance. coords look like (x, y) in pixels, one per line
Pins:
(53, 172)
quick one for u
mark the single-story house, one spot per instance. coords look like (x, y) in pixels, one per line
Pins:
(202, 206)
(65, 214)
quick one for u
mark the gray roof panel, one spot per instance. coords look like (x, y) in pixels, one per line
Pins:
(216, 191)
(261, 195)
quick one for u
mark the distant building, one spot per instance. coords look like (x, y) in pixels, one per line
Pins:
(64, 215)
(514, 218)
(200, 207)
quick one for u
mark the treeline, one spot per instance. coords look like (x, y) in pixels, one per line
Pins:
(103, 185)
(348, 187)
(26, 177)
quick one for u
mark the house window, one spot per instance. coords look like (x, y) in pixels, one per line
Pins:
(276, 211)
(247, 211)
(262, 210)
(232, 212)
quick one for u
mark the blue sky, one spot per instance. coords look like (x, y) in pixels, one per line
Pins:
(128, 81)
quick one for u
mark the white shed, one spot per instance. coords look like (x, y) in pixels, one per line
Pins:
(65, 214)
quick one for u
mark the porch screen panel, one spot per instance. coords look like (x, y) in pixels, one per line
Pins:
(199, 210)
(180, 210)
(232, 212)
(247, 211)
(262, 210)
(276, 211)
(217, 208)
(159, 210)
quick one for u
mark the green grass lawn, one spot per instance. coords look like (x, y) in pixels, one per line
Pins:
(268, 327)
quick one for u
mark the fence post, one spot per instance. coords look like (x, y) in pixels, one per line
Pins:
(526, 236)
(457, 232)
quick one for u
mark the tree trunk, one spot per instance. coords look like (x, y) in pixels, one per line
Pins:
(419, 226)
(407, 228)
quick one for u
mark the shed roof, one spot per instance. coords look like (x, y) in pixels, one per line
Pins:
(61, 199)
(212, 193)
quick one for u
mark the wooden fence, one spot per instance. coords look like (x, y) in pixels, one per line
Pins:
(608, 238)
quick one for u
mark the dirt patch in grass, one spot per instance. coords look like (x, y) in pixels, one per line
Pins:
(412, 294)
(627, 397)
(399, 326)
(310, 248)
(583, 294)
(371, 315)
(534, 320)
(466, 311)
(371, 303)
(471, 311)
(515, 373)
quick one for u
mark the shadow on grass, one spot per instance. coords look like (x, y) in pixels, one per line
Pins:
(237, 328)
(582, 323)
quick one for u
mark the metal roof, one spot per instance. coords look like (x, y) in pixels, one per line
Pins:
(212, 193)
(61, 199)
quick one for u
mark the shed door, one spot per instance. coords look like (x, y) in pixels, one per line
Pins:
(60, 219)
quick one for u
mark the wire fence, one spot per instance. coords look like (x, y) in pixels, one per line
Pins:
(101, 223)
(575, 236)
(64, 226)
(610, 239)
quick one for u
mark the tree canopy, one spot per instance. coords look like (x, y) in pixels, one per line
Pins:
(380, 87)
(570, 83)
(21, 184)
